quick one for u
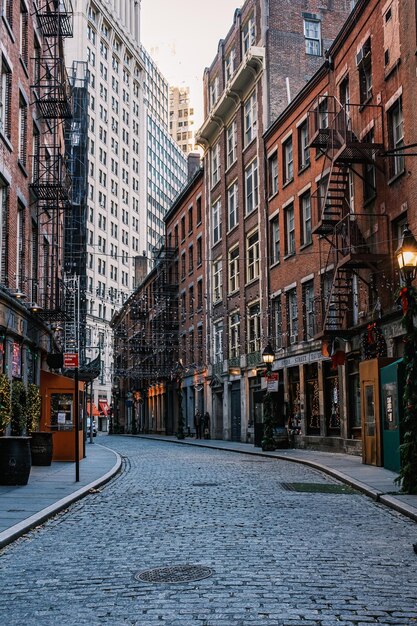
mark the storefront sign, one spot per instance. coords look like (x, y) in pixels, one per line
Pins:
(299, 359)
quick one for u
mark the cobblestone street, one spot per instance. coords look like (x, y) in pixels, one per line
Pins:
(276, 556)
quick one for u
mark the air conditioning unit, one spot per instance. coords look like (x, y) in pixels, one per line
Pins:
(363, 52)
(293, 339)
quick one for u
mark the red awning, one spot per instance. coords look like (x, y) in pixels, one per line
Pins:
(96, 412)
(104, 407)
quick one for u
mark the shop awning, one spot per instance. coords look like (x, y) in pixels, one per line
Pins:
(104, 407)
(91, 405)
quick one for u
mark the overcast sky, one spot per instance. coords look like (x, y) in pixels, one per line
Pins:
(182, 37)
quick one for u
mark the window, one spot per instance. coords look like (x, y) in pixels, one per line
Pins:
(199, 210)
(277, 322)
(369, 172)
(305, 215)
(303, 149)
(20, 247)
(7, 11)
(273, 174)
(396, 137)
(312, 36)
(251, 187)
(190, 259)
(288, 166)
(248, 34)
(275, 241)
(5, 100)
(217, 223)
(364, 65)
(232, 206)
(229, 65)
(217, 280)
(23, 125)
(215, 164)
(308, 310)
(190, 220)
(234, 270)
(292, 316)
(199, 251)
(24, 51)
(183, 228)
(254, 328)
(214, 91)
(252, 256)
(191, 300)
(182, 265)
(231, 143)
(200, 294)
(218, 341)
(289, 230)
(234, 335)
(250, 119)
(344, 93)
(4, 225)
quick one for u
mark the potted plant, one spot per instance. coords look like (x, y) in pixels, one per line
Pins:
(15, 457)
(41, 442)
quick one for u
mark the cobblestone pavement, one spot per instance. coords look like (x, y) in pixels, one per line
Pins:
(277, 557)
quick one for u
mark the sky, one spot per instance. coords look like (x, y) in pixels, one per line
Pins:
(182, 37)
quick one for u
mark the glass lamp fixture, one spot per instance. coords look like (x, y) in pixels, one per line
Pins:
(406, 254)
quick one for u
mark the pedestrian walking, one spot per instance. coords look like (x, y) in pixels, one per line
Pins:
(206, 425)
(197, 424)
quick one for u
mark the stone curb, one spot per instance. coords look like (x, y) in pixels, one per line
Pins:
(375, 494)
(16, 531)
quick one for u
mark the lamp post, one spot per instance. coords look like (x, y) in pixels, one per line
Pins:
(268, 442)
(407, 261)
(178, 372)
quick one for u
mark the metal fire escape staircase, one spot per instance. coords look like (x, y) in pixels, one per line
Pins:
(51, 186)
(351, 243)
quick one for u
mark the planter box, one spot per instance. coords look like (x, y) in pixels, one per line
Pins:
(15, 460)
(41, 447)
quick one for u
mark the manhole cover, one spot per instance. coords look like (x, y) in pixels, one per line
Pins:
(318, 488)
(174, 574)
(205, 484)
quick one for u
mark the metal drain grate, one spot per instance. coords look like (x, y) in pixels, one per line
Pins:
(318, 488)
(205, 484)
(175, 574)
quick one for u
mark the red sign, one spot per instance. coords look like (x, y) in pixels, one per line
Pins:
(70, 360)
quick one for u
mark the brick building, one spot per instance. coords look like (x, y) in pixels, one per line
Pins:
(35, 186)
(335, 219)
(261, 64)
(159, 332)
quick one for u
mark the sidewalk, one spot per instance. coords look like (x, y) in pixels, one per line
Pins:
(51, 489)
(376, 482)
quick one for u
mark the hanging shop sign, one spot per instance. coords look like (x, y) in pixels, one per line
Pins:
(272, 382)
(299, 359)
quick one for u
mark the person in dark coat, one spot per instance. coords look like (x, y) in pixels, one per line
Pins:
(197, 424)
(206, 425)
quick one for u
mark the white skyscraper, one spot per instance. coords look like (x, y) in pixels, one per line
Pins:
(133, 171)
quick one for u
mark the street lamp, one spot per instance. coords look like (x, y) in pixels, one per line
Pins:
(406, 255)
(268, 442)
(268, 356)
(407, 262)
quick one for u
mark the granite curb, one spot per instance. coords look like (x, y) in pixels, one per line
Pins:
(19, 529)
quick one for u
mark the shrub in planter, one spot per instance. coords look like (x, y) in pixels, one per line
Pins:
(41, 442)
(15, 457)
(19, 407)
(5, 403)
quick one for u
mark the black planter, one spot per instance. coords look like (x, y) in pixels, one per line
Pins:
(41, 446)
(15, 460)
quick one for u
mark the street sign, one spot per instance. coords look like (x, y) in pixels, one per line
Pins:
(70, 360)
(272, 382)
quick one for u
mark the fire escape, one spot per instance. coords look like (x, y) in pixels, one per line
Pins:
(153, 341)
(353, 243)
(51, 180)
